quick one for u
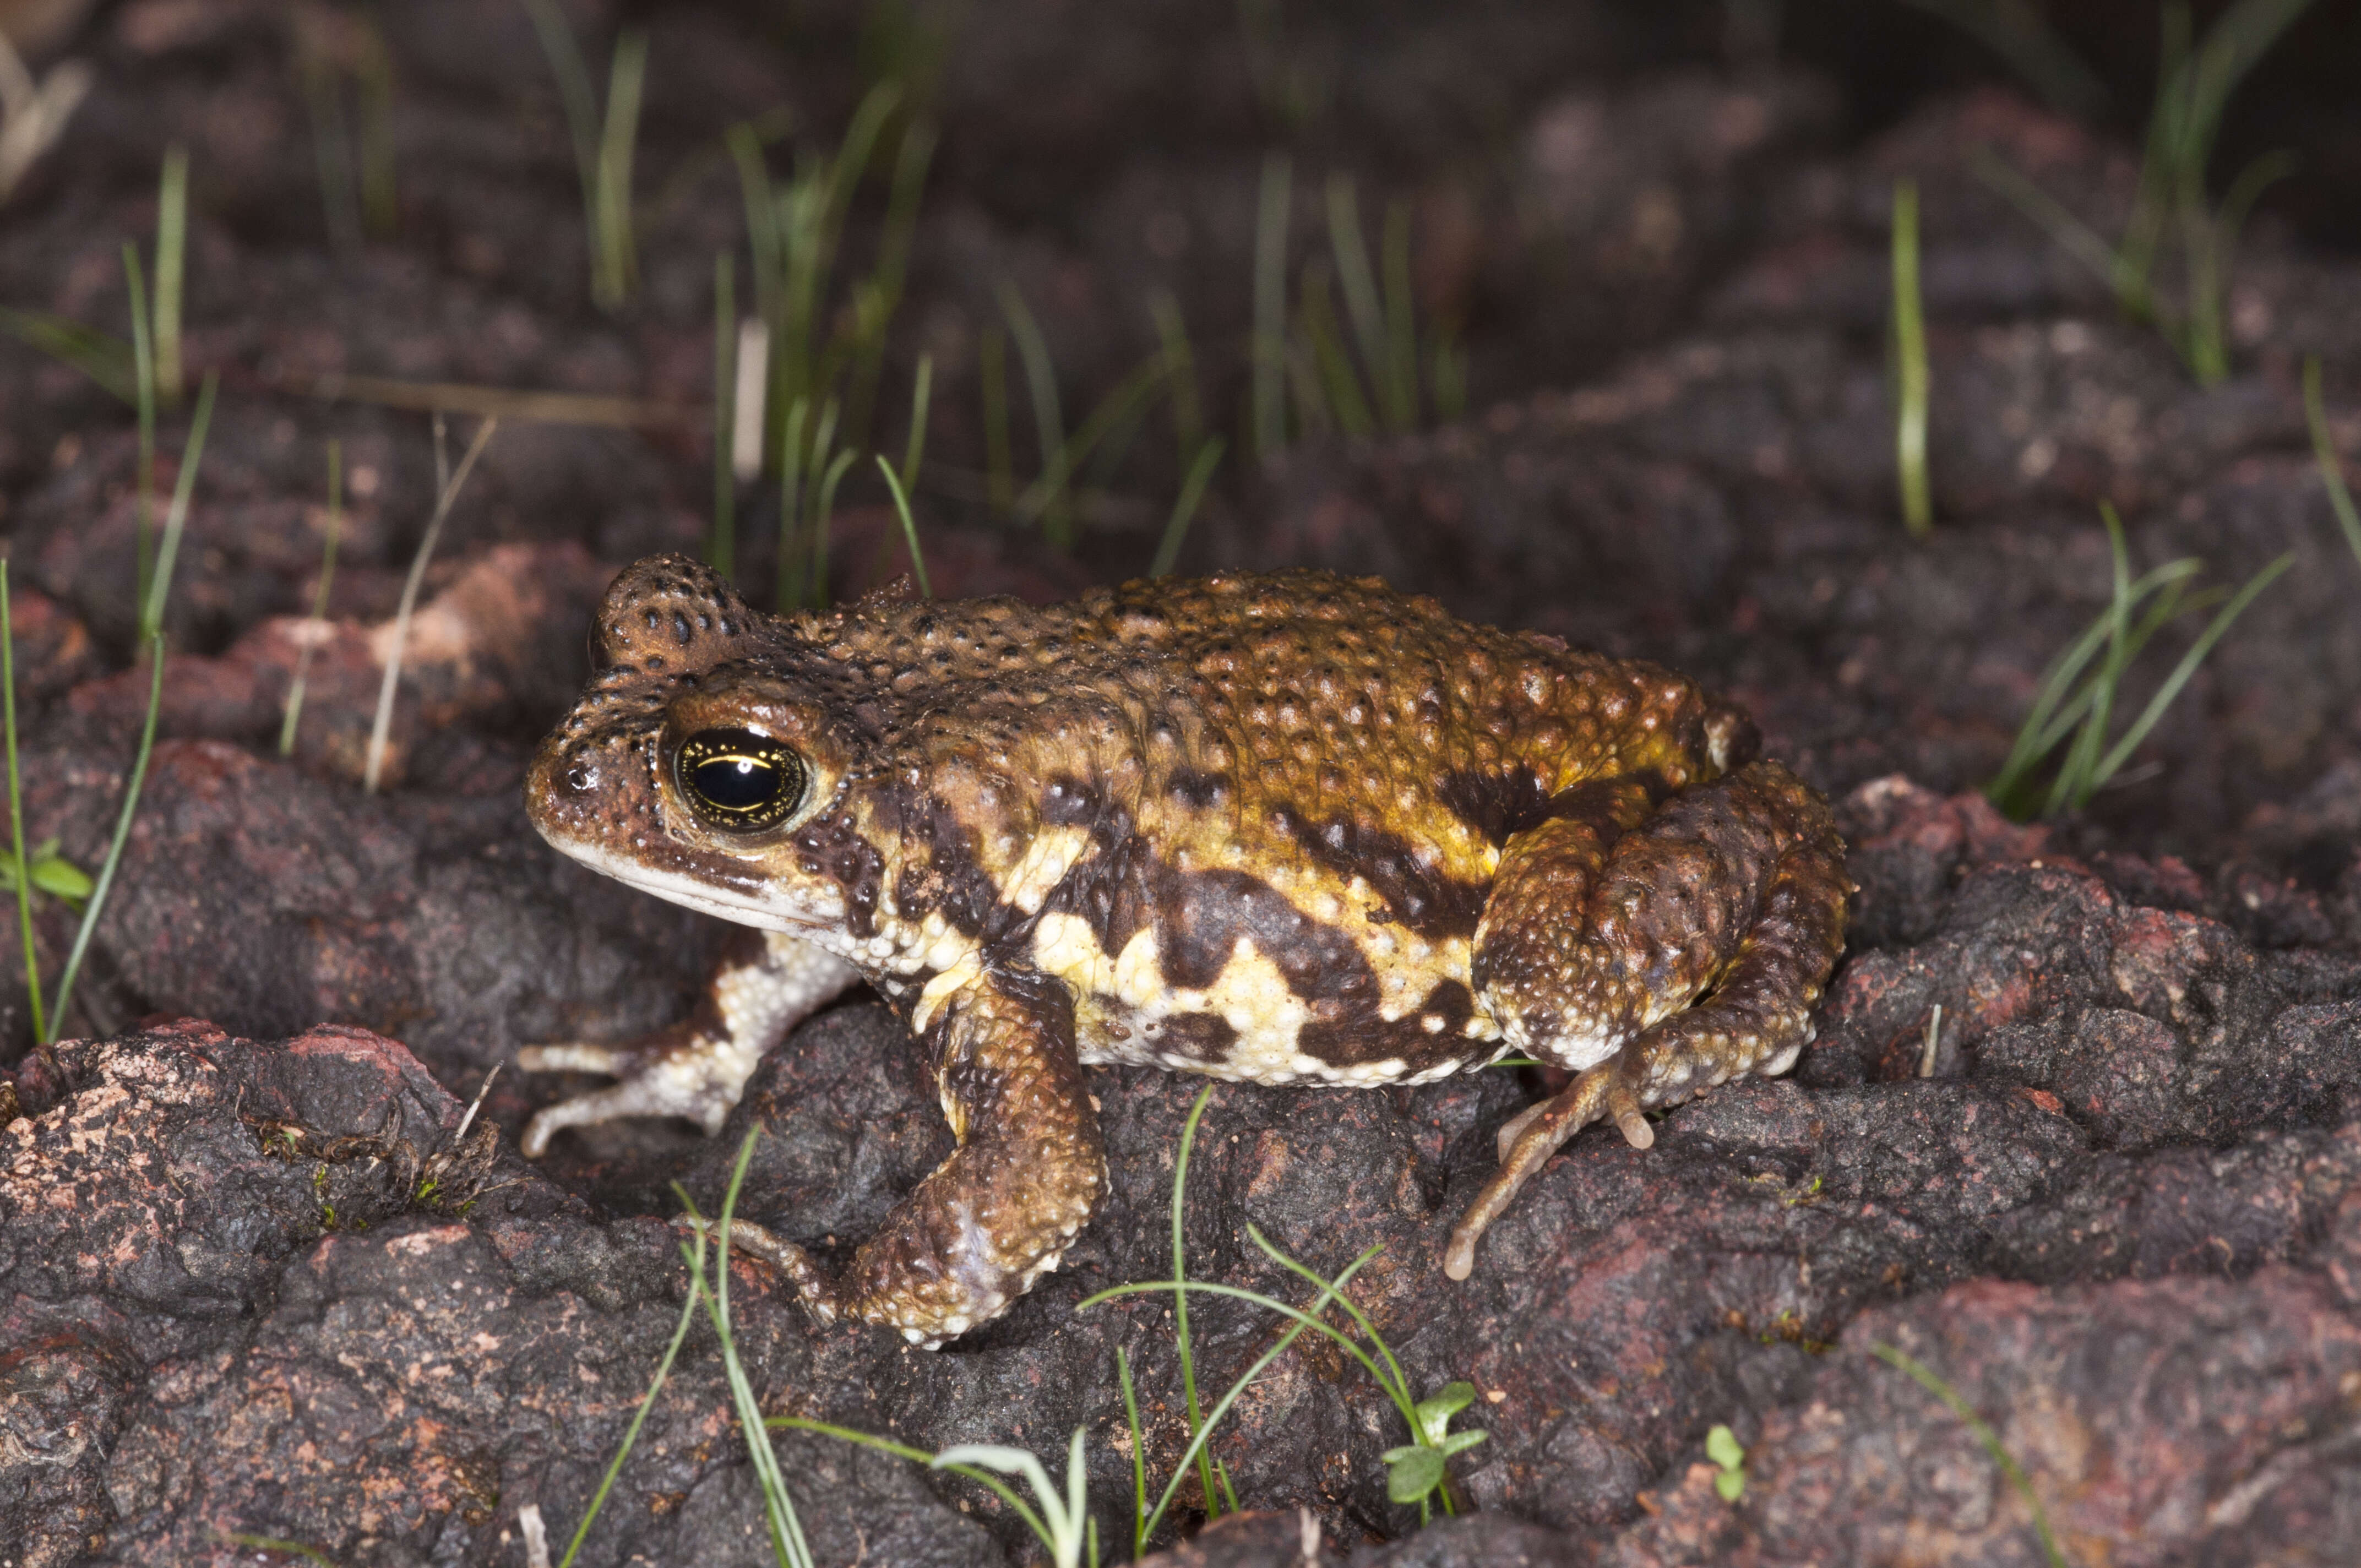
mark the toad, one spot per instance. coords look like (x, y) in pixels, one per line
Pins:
(1289, 829)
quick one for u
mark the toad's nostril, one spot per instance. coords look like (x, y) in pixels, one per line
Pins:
(581, 776)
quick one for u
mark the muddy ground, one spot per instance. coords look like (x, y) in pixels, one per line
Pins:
(2114, 1208)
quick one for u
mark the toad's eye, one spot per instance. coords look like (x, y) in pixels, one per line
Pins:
(738, 781)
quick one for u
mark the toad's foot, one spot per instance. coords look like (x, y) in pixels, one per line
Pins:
(1736, 894)
(763, 987)
(999, 1213)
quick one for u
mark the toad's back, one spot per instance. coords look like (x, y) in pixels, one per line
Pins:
(1253, 822)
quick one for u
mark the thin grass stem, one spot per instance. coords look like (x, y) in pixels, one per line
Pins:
(975, 1473)
(577, 96)
(1180, 366)
(171, 265)
(168, 548)
(1935, 1385)
(2220, 623)
(1181, 1299)
(143, 363)
(778, 1507)
(2324, 452)
(381, 727)
(631, 1433)
(381, 193)
(922, 400)
(1269, 348)
(721, 543)
(992, 378)
(21, 863)
(909, 529)
(316, 629)
(1355, 277)
(1138, 1454)
(1398, 379)
(1910, 365)
(106, 870)
(1041, 384)
(614, 264)
(1193, 492)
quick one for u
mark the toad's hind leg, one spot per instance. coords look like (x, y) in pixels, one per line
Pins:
(1002, 1209)
(1687, 954)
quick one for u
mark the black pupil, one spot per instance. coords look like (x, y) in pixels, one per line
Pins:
(737, 783)
(739, 780)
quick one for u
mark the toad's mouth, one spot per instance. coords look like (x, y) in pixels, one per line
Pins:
(797, 915)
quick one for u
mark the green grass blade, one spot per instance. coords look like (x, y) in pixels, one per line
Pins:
(143, 364)
(762, 221)
(631, 1433)
(1910, 365)
(1397, 1386)
(2182, 672)
(1934, 1383)
(721, 543)
(1339, 385)
(922, 402)
(104, 359)
(991, 380)
(788, 586)
(1114, 410)
(97, 901)
(1270, 354)
(1302, 1319)
(171, 262)
(1356, 277)
(574, 92)
(2075, 237)
(977, 1473)
(1180, 362)
(1138, 1454)
(168, 549)
(614, 264)
(1193, 492)
(2021, 36)
(909, 529)
(1180, 1296)
(1040, 382)
(1398, 385)
(778, 1507)
(2324, 452)
(821, 515)
(2238, 38)
(19, 865)
(381, 726)
(319, 600)
(381, 193)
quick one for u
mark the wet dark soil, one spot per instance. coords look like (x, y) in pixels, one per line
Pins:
(253, 1281)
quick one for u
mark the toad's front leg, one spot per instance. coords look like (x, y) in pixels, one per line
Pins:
(1002, 1209)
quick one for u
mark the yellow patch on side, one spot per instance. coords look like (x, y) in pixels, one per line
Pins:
(1047, 859)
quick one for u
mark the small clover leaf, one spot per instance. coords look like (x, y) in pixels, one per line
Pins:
(1413, 1472)
(1722, 1446)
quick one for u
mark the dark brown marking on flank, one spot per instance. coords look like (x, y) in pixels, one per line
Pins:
(1363, 1034)
(1202, 1037)
(1417, 895)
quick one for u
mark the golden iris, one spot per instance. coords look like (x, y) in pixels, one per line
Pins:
(737, 780)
